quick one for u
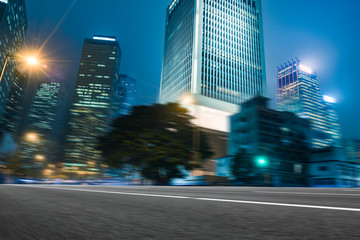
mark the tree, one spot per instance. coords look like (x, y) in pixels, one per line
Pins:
(243, 167)
(155, 141)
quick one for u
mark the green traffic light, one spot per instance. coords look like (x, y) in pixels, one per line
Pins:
(261, 161)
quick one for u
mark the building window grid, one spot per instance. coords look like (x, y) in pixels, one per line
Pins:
(227, 82)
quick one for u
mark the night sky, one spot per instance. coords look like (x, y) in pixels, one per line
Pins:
(324, 34)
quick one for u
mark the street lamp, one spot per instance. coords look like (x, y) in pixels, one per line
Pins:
(29, 60)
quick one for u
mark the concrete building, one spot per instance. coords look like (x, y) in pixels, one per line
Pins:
(214, 54)
(13, 27)
(299, 92)
(329, 167)
(269, 137)
(213, 61)
(90, 113)
(352, 148)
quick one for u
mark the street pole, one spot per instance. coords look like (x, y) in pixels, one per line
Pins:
(3, 68)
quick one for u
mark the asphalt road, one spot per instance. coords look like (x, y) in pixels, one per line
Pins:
(147, 212)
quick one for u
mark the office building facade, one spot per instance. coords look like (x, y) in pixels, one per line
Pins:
(352, 148)
(125, 96)
(282, 138)
(299, 92)
(214, 54)
(13, 27)
(90, 113)
(330, 167)
(40, 123)
(14, 108)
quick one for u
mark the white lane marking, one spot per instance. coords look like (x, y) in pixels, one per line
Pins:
(308, 193)
(282, 204)
(203, 199)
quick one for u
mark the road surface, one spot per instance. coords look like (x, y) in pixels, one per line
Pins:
(150, 212)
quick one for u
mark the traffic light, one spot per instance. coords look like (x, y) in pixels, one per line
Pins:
(261, 161)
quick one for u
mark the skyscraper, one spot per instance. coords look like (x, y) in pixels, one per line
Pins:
(299, 92)
(13, 27)
(125, 95)
(333, 122)
(14, 109)
(214, 54)
(41, 122)
(95, 87)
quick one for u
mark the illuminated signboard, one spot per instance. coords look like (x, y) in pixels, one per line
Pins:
(113, 39)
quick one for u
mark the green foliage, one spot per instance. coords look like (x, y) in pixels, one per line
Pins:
(243, 167)
(154, 140)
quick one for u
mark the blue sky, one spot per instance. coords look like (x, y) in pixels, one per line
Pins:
(324, 34)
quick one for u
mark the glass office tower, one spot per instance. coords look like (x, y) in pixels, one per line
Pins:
(125, 96)
(41, 122)
(299, 92)
(213, 54)
(95, 88)
(14, 108)
(13, 27)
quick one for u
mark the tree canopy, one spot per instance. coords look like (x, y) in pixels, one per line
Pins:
(156, 141)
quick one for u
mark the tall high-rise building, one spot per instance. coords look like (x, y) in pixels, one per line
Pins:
(14, 109)
(214, 56)
(125, 96)
(90, 113)
(40, 123)
(13, 27)
(299, 92)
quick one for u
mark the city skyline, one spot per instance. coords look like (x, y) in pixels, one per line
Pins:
(323, 48)
(192, 119)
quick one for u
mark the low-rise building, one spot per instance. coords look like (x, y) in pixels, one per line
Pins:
(276, 142)
(330, 167)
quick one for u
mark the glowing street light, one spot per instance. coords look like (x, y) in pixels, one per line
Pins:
(30, 60)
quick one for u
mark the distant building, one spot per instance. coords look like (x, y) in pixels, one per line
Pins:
(280, 138)
(95, 91)
(329, 167)
(352, 148)
(299, 92)
(125, 96)
(14, 108)
(13, 27)
(41, 123)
